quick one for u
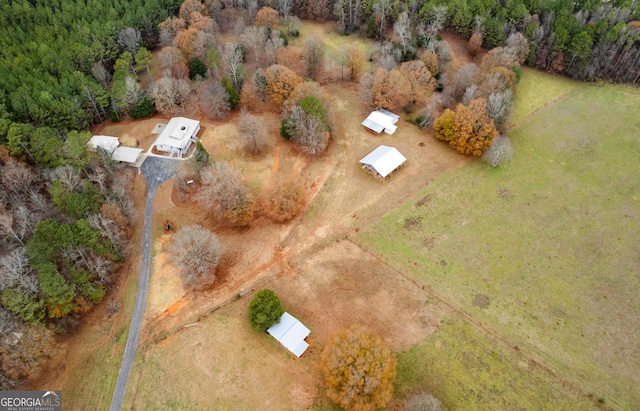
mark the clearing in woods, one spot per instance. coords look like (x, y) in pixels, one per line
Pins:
(323, 276)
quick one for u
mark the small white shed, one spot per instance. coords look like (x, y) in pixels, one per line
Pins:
(383, 160)
(381, 120)
(291, 333)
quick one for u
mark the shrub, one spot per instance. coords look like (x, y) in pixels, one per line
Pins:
(234, 97)
(196, 68)
(144, 108)
(265, 310)
(201, 156)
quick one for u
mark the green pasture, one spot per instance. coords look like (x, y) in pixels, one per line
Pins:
(545, 249)
(536, 90)
(466, 371)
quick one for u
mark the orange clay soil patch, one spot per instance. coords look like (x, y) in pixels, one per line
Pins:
(165, 284)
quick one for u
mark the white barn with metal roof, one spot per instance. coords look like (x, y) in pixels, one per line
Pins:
(381, 120)
(129, 155)
(291, 333)
(107, 143)
(383, 160)
(177, 136)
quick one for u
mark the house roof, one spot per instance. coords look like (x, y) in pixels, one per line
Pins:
(381, 120)
(291, 333)
(127, 154)
(178, 132)
(384, 160)
(106, 142)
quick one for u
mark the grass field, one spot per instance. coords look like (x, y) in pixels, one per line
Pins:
(544, 250)
(537, 89)
(462, 368)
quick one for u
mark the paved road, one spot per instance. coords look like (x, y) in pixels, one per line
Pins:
(155, 170)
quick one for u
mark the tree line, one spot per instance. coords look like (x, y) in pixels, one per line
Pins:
(64, 230)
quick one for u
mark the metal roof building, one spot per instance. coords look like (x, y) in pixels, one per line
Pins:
(105, 142)
(383, 160)
(129, 155)
(381, 120)
(177, 135)
(291, 333)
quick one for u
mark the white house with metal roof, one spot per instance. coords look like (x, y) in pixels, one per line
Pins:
(177, 136)
(383, 160)
(291, 333)
(381, 120)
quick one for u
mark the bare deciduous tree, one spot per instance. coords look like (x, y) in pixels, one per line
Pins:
(464, 77)
(272, 45)
(232, 59)
(308, 131)
(226, 195)
(129, 39)
(470, 94)
(314, 55)
(214, 101)
(499, 152)
(253, 132)
(170, 94)
(202, 42)
(100, 73)
(110, 230)
(402, 28)
(518, 45)
(498, 107)
(86, 259)
(17, 223)
(16, 273)
(422, 402)
(284, 6)
(169, 57)
(438, 18)
(444, 51)
(254, 37)
(196, 251)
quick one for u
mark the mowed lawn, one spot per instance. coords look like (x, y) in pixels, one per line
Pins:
(545, 249)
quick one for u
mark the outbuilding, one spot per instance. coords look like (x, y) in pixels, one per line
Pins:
(381, 120)
(291, 333)
(106, 143)
(383, 160)
(177, 136)
(129, 155)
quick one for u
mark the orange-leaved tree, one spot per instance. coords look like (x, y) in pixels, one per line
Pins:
(280, 82)
(267, 17)
(359, 368)
(391, 89)
(469, 129)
